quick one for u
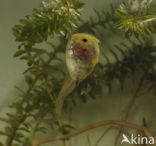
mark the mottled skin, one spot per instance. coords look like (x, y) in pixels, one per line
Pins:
(82, 54)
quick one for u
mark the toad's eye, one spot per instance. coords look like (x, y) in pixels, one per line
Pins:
(84, 40)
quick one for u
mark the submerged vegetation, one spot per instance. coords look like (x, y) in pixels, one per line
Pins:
(133, 20)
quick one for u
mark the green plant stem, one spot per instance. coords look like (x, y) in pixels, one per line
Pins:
(34, 132)
(21, 120)
(24, 117)
(44, 81)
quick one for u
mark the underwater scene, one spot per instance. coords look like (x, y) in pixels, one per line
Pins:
(78, 73)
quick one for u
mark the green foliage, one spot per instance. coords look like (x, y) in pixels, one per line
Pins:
(51, 17)
(103, 20)
(38, 101)
(137, 16)
(37, 104)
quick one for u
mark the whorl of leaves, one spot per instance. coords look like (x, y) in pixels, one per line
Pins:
(137, 17)
(37, 103)
(138, 57)
(51, 17)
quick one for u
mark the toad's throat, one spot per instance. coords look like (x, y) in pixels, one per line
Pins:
(83, 53)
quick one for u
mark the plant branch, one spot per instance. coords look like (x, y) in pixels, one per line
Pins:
(93, 126)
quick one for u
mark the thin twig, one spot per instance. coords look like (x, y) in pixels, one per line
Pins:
(130, 106)
(88, 139)
(105, 132)
(45, 83)
(136, 95)
(32, 136)
(92, 126)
